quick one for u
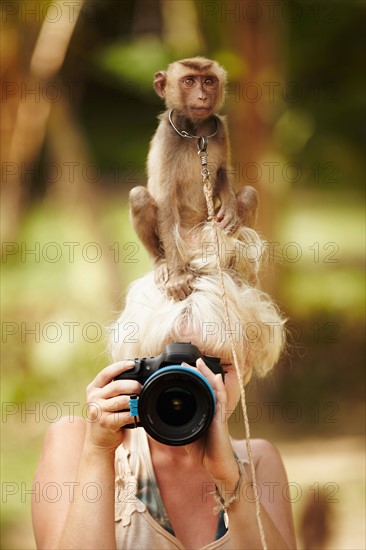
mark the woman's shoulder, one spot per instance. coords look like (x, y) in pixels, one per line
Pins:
(272, 483)
(262, 450)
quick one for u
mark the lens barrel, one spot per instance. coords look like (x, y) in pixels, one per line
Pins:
(176, 405)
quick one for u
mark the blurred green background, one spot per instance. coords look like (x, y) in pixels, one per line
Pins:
(78, 111)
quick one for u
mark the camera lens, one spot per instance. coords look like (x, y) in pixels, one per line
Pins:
(176, 405)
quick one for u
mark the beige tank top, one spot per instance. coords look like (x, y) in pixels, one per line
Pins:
(136, 528)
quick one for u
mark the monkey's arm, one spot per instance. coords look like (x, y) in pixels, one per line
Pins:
(240, 208)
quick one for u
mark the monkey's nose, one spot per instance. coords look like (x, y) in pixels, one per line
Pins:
(202, 94)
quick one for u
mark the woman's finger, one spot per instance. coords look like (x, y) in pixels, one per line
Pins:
(119, 420)
(115, 404)
(108, 373)
(120, 387)
(207, 373)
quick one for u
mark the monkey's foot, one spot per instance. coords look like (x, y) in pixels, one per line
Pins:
(178, 286)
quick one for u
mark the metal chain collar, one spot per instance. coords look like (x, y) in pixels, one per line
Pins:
(185, 134)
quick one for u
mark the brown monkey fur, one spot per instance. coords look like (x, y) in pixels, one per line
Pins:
(174, 197)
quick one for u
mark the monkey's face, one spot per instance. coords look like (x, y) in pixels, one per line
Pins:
(193, 86)
(200, 95)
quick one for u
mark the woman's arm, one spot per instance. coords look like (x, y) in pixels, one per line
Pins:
(75, 508)
(215, 453)
(275, 507)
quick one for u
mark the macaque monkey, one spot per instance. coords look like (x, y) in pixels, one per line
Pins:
(193, 91)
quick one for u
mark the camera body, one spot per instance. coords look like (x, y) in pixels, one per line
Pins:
(177, 403)
(174, 354)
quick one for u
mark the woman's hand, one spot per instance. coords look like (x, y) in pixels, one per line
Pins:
(214, 450)
(106, 398)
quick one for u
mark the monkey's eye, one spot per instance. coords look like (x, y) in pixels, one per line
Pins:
(189, 81)
(210, 81)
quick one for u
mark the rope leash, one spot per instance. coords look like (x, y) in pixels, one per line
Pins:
(208, 192)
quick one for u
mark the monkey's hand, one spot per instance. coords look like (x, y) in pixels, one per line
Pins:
(227, 218)
(178, 286)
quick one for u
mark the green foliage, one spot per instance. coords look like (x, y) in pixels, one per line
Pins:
(133, 61)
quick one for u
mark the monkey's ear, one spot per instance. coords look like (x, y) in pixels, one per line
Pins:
(160, 83)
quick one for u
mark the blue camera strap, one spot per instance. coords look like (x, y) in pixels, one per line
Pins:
(134, 405)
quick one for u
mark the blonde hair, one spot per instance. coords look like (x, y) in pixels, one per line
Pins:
(150, 320)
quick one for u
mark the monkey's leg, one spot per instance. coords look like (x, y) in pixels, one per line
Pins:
(176, 285)
(247, 199)
(144, 220)
(143, 215)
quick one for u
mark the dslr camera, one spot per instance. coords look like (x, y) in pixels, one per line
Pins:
(177, 403)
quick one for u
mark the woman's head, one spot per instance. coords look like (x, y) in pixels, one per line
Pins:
(150, 321)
